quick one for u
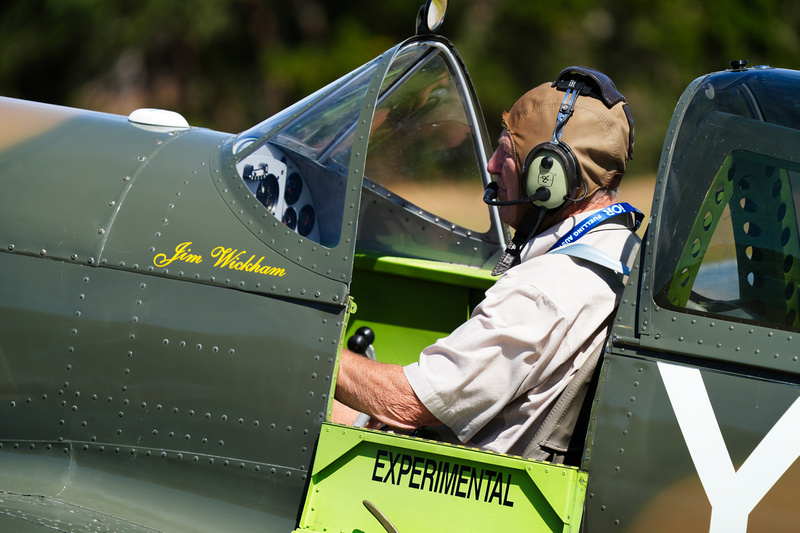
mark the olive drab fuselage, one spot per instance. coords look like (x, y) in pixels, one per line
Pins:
(173, 301)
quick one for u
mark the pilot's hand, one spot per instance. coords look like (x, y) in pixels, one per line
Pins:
(341, 414)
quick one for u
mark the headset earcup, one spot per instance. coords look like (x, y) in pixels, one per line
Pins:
(551, 166)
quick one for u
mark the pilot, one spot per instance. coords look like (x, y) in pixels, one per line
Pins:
(494, 379)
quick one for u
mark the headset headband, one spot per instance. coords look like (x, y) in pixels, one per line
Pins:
(585, 81)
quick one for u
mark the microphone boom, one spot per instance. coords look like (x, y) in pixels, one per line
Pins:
(490, 196)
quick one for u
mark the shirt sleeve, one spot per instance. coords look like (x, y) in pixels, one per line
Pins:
(515, 340)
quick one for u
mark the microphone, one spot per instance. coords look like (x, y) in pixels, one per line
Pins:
(490, 196)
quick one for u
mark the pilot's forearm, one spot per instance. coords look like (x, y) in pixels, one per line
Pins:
(382, 391)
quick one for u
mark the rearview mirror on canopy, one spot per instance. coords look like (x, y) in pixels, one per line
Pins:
(431, 16)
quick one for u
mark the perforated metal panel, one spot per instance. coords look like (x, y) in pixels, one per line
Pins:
(749, 204)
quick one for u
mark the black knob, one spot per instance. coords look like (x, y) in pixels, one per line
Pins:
(358, 344)
(367, 332)
(547, 162)
(361, 340)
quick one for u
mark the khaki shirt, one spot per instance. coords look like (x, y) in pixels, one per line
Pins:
(494, 379)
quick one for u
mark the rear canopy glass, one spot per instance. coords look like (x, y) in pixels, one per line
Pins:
(728, 237)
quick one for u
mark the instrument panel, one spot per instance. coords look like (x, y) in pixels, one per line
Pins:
(279, 186)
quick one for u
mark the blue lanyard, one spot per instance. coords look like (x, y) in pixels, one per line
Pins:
(598, 218)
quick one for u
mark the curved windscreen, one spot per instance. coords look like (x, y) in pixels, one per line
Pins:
(423, 143)
(292, 172)
(423, 159)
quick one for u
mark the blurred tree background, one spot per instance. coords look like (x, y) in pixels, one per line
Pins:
(228, 64)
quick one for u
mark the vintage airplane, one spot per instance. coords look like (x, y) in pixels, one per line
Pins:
(173, 301)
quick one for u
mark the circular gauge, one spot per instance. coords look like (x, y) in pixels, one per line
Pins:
(294, 188)
(268, 190)
(290, 218)
(305, 220)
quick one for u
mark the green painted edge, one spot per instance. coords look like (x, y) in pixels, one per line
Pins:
(423, 269)
(564, 487)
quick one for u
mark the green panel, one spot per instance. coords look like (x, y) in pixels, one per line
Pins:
(411, 303)
(87, 163)
(335, 263)
(440, 272)
(68, 488)
(161, 383)
(635, 446)
(35, 514)
(428, 486)
(174, 223)
(641, 474)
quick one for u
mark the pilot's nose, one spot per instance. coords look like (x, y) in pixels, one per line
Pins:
(495, 164)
